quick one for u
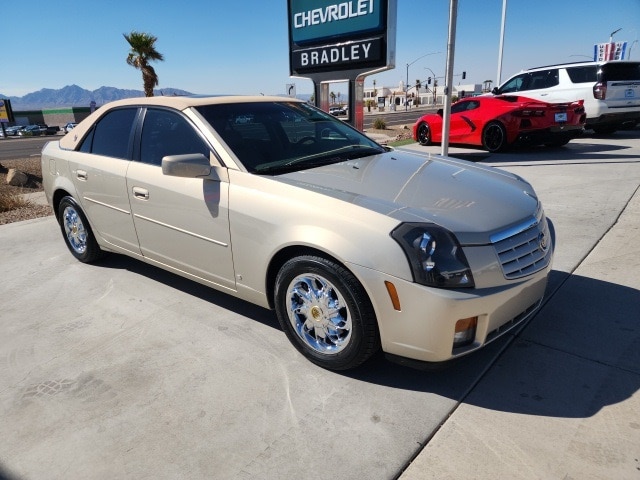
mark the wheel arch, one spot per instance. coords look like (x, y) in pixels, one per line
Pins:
(57, 197)
(287, 253)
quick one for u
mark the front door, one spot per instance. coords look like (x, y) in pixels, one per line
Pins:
(182, 223)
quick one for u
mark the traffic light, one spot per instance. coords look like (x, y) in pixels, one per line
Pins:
(464, 75)
(429, 80)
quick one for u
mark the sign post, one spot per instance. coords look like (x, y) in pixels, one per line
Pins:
(338, 40)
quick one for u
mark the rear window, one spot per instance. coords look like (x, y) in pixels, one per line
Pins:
(620, 71)
(583, 74)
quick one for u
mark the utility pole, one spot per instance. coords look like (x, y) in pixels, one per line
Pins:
(451, 47)
(501, 48)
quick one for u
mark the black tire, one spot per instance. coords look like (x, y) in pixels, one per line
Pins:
(326, 313)
(424, 134)
(494, 137)
(77, 232)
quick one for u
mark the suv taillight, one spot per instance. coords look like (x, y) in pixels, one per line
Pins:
(600, 91)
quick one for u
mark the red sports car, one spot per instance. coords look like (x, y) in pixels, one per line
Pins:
(498, 122)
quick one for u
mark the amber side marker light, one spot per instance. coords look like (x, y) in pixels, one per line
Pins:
(465, 331)
(393, 295)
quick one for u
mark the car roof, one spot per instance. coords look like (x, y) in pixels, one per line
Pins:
(71, 140)
(579, 64)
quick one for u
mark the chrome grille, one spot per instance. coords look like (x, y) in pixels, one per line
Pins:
(525, 252)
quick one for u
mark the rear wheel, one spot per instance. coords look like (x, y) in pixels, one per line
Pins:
(325, 312)
(494, 137)
(77, 232)
(424, 134)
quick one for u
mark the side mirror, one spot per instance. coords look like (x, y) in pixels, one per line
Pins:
(193, 165)
(495, 91)
(440, 112)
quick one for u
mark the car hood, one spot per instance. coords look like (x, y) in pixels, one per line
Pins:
(473, 201)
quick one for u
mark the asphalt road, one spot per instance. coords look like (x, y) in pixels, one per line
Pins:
(121, 370)
(11, 148)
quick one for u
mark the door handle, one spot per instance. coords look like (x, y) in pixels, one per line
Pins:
(141, 193)
(81, 175)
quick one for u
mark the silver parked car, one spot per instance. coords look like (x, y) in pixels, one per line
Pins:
(357, 247)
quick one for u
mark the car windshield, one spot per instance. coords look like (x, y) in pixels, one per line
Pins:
(270, 138)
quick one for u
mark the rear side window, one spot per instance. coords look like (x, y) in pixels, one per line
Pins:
(543, 79)
(111, 135)
(620, 71)
(585, 74)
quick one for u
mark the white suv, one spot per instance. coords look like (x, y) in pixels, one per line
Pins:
(610, 90)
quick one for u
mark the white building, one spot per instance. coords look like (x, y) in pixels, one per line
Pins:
(391, 98)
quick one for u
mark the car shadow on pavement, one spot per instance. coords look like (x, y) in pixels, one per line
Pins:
(579, 354)
(190, 287)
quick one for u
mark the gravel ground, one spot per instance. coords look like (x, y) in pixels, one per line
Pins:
(9, 195)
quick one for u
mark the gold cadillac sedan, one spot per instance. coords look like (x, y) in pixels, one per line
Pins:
(357, 247)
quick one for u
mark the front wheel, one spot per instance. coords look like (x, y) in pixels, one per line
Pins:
(424, 134)
(494, 137)
(325, 312)
(77, 232)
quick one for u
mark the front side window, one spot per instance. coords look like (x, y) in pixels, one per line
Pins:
(168, 133)
(514, 85)
(111, 135)
(464, 106)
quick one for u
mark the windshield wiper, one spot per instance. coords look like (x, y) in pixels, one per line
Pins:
(341, 154)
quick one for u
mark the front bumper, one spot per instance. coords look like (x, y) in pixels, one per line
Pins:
(424, 327)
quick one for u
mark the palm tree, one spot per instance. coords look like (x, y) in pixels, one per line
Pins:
(142, 52)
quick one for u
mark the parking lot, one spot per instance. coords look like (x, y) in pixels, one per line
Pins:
(122, 370)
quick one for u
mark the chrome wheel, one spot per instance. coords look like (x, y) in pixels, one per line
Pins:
(74, 230)
(325, 312)
(77, 231)
(319, 314)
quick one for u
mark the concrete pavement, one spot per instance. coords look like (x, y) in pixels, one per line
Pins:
(570, 408)
(119, 370)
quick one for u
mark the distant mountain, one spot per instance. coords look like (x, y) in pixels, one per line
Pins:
(75, 96)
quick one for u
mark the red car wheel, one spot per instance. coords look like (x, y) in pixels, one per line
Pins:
(424, 134)
(494, 137)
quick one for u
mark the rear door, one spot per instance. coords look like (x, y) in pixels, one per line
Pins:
(99, 169)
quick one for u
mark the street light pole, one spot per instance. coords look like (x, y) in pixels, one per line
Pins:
(406, 87)
(612, 34)
(501, 48)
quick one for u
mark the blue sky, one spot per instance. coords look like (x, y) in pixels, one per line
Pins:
(241, 46)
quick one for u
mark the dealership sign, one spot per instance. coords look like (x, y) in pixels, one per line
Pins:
(609, 51)
(334, 35)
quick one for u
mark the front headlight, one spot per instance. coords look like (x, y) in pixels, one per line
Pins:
(435, 256)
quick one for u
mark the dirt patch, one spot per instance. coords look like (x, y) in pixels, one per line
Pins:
(13, 206)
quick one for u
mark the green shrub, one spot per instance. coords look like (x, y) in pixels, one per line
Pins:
(379, 124)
